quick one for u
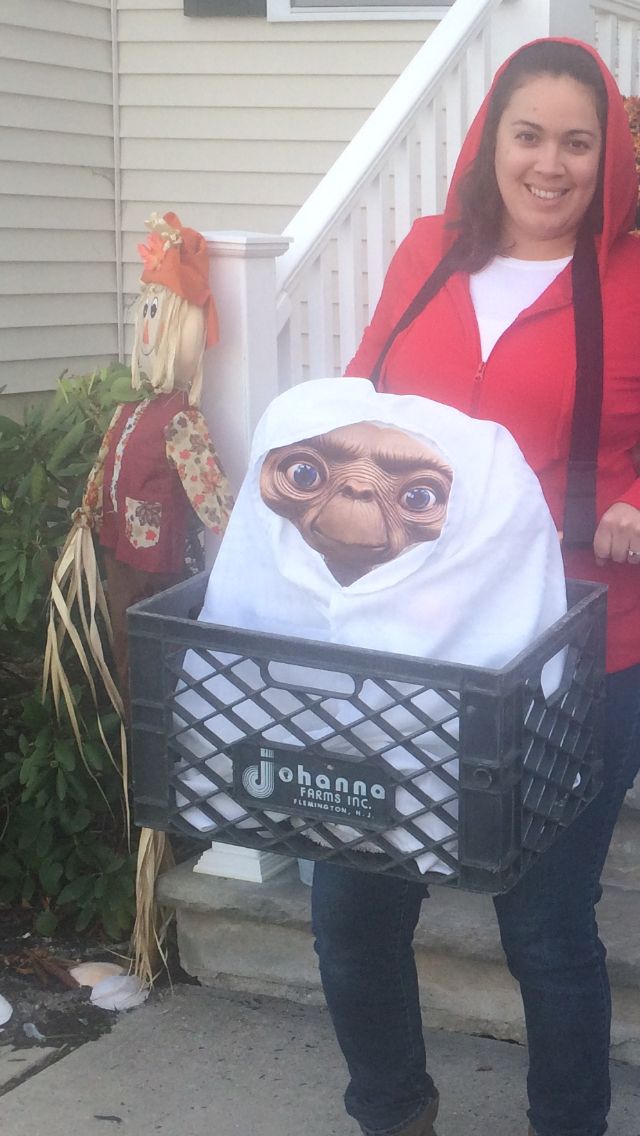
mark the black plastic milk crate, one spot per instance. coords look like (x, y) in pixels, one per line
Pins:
(385, 763)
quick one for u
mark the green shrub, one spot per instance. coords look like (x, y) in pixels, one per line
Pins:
(62, 827)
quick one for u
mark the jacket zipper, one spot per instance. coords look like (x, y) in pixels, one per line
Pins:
(477, 386)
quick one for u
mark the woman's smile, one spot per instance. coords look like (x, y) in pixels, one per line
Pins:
(546, 194)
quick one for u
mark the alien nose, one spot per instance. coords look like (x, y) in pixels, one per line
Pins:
(358, 492)
(145, 332)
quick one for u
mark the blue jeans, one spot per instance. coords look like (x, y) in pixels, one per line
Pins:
(364, 926)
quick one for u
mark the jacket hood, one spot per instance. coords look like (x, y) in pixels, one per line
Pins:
(620, 188)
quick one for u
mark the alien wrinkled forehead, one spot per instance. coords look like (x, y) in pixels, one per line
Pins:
(361, 493)
(388, 448)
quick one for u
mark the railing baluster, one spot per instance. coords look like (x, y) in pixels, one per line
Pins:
(454, 102)
(320, 317)
(626, 56)
(477, 66)
(350, 285)
(405, 186)
(430, 127)
(378, 240)
(296, 360)
(607, 38)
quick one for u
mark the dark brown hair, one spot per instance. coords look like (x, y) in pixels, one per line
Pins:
(480, 204)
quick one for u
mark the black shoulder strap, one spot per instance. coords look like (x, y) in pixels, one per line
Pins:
(429, 289)
(580, 503)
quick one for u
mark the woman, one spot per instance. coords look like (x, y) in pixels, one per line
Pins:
(533, 245)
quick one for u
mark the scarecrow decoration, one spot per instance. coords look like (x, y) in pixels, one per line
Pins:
(156, 460)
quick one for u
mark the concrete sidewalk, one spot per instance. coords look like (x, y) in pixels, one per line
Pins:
(201, 1062)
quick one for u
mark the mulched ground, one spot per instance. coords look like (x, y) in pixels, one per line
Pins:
(33, 973)
(47, 1008)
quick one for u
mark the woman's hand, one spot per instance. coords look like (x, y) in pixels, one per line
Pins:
(618, 535)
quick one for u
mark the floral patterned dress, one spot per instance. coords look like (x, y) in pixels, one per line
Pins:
(156, 458)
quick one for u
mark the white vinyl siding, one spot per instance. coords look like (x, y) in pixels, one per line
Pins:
(57, 245)
(232, 122)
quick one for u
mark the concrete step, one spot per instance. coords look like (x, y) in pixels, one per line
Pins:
(257, 937)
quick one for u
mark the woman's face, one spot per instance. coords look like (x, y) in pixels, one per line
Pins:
(547, 159)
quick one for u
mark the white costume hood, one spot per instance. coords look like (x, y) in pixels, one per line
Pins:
(479, 594)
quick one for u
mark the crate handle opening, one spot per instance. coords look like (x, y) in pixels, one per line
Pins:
(331, 684)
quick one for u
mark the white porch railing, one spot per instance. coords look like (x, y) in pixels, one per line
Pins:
(617, 38)
(396, 168)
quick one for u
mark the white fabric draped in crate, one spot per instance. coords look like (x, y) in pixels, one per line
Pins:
(481, 593)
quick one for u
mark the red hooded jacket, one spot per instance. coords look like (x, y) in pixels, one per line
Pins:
(528, 381)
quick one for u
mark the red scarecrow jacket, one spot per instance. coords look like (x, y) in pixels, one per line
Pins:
(528, 381)
(156, 458)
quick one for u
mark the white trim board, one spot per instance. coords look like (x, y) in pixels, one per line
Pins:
(280, 11)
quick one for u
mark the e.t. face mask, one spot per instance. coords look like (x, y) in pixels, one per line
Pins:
(359, 495)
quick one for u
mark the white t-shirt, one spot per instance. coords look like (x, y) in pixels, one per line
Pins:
(504, 289)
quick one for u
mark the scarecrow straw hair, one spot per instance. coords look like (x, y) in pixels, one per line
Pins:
(163, 377)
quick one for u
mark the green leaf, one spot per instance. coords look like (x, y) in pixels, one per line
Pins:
(39, 482)
(10, 777)
(50, 874)
(65, 755)
(8, 555)
(46, 923)
(81, 820)
(122, 391)
(11, 602)
(10, 868)
(86, 853)
(61, 785)
(114, 925)
(28, 889)
(67, 445)
(34, 714)
(117, 863)
(46, 838)
(26, 770)
(75, 892)
(10, 570)
(27, 596)
(9, 428)
(9, 892)
(96, 755)
(77, 788)
(85, 917)
(28, 837)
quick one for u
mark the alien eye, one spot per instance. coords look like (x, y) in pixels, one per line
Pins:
(153, 309)
(303, 475)
(418, 498)
(145, 309)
